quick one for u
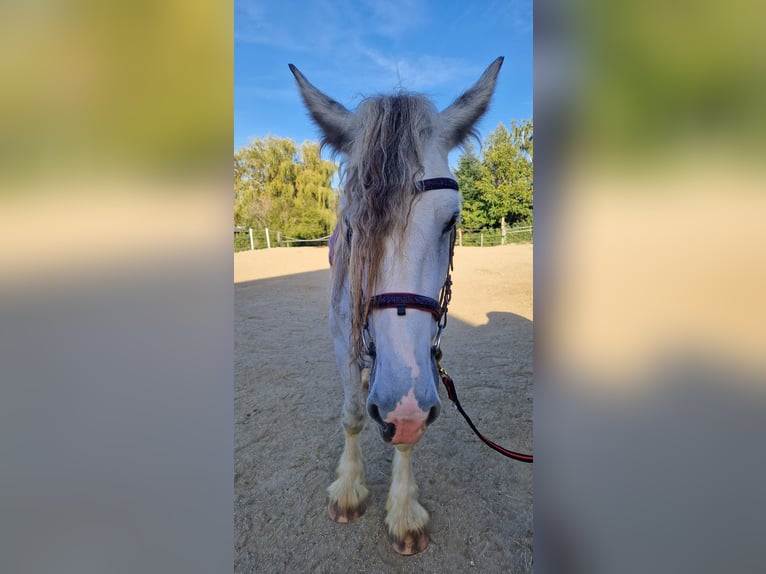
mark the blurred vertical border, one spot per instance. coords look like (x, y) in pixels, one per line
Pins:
(116, 345)
(650, 274)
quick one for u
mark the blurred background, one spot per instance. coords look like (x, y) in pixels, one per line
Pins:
(116, 397)
(650, 267)
(116, 297)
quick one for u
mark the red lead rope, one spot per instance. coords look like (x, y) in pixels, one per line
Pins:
(452, 394)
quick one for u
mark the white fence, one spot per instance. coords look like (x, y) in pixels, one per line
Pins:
(490, 237)
(249, 238)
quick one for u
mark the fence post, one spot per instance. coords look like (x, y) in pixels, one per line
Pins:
(502, 231)
(268, 242)
(279, 239)
(460, 237)
(252, 245)
(481, 238)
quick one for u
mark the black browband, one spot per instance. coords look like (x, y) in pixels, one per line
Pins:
(437, 183)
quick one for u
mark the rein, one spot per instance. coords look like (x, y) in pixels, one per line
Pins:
(449, 384)
(438, 310)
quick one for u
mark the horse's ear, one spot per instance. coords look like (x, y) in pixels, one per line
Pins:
(459, 119)
(334, 120)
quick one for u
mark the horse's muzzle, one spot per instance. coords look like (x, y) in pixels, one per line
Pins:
(403, 431)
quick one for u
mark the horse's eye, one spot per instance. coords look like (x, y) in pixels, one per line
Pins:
(451, 223)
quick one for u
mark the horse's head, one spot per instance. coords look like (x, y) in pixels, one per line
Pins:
(398, 214)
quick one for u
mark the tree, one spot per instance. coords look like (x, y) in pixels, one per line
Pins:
(468, 175)
(499, 184)
(277, 185)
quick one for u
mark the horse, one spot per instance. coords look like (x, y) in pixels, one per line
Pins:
(390, 283)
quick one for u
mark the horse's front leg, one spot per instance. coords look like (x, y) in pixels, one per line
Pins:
(406, 518)
(348, 494)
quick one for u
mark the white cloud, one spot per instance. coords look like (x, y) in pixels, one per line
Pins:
(393, 18)
(315, 26)
(420, 73)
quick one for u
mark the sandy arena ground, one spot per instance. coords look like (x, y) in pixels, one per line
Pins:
(288, 435)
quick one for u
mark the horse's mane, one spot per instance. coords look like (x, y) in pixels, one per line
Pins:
(379, 178)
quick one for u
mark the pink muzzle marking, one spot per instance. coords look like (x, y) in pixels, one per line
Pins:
(408, 432)
(409, 420)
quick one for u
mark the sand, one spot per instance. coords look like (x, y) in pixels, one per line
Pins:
(288, 435)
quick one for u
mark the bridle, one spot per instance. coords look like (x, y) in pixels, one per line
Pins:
(402, 301)
(438, 310)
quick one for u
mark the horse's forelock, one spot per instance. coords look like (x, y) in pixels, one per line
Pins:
(379, 175)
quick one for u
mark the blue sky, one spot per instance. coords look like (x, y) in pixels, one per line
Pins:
(354, 48)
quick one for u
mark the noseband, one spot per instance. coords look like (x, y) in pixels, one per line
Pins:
(403, 301)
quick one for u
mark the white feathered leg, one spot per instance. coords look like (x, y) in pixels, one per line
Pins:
(406, 518)
(348, 494)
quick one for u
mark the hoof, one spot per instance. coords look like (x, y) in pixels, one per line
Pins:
(411, 543)
(344, 515)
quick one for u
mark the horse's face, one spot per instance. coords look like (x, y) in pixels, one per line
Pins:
(403, 396)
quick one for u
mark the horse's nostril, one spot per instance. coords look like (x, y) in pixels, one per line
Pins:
(372, 409)
(387, 430)
(433, 414)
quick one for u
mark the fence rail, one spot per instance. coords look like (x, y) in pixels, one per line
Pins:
(247, 238)
(491, 237)
(288, 241)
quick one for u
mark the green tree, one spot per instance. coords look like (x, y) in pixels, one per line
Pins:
(468, 175)
(314, 205)
(499, 184)
(506, 182)
(522, 138)
(279, 186)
